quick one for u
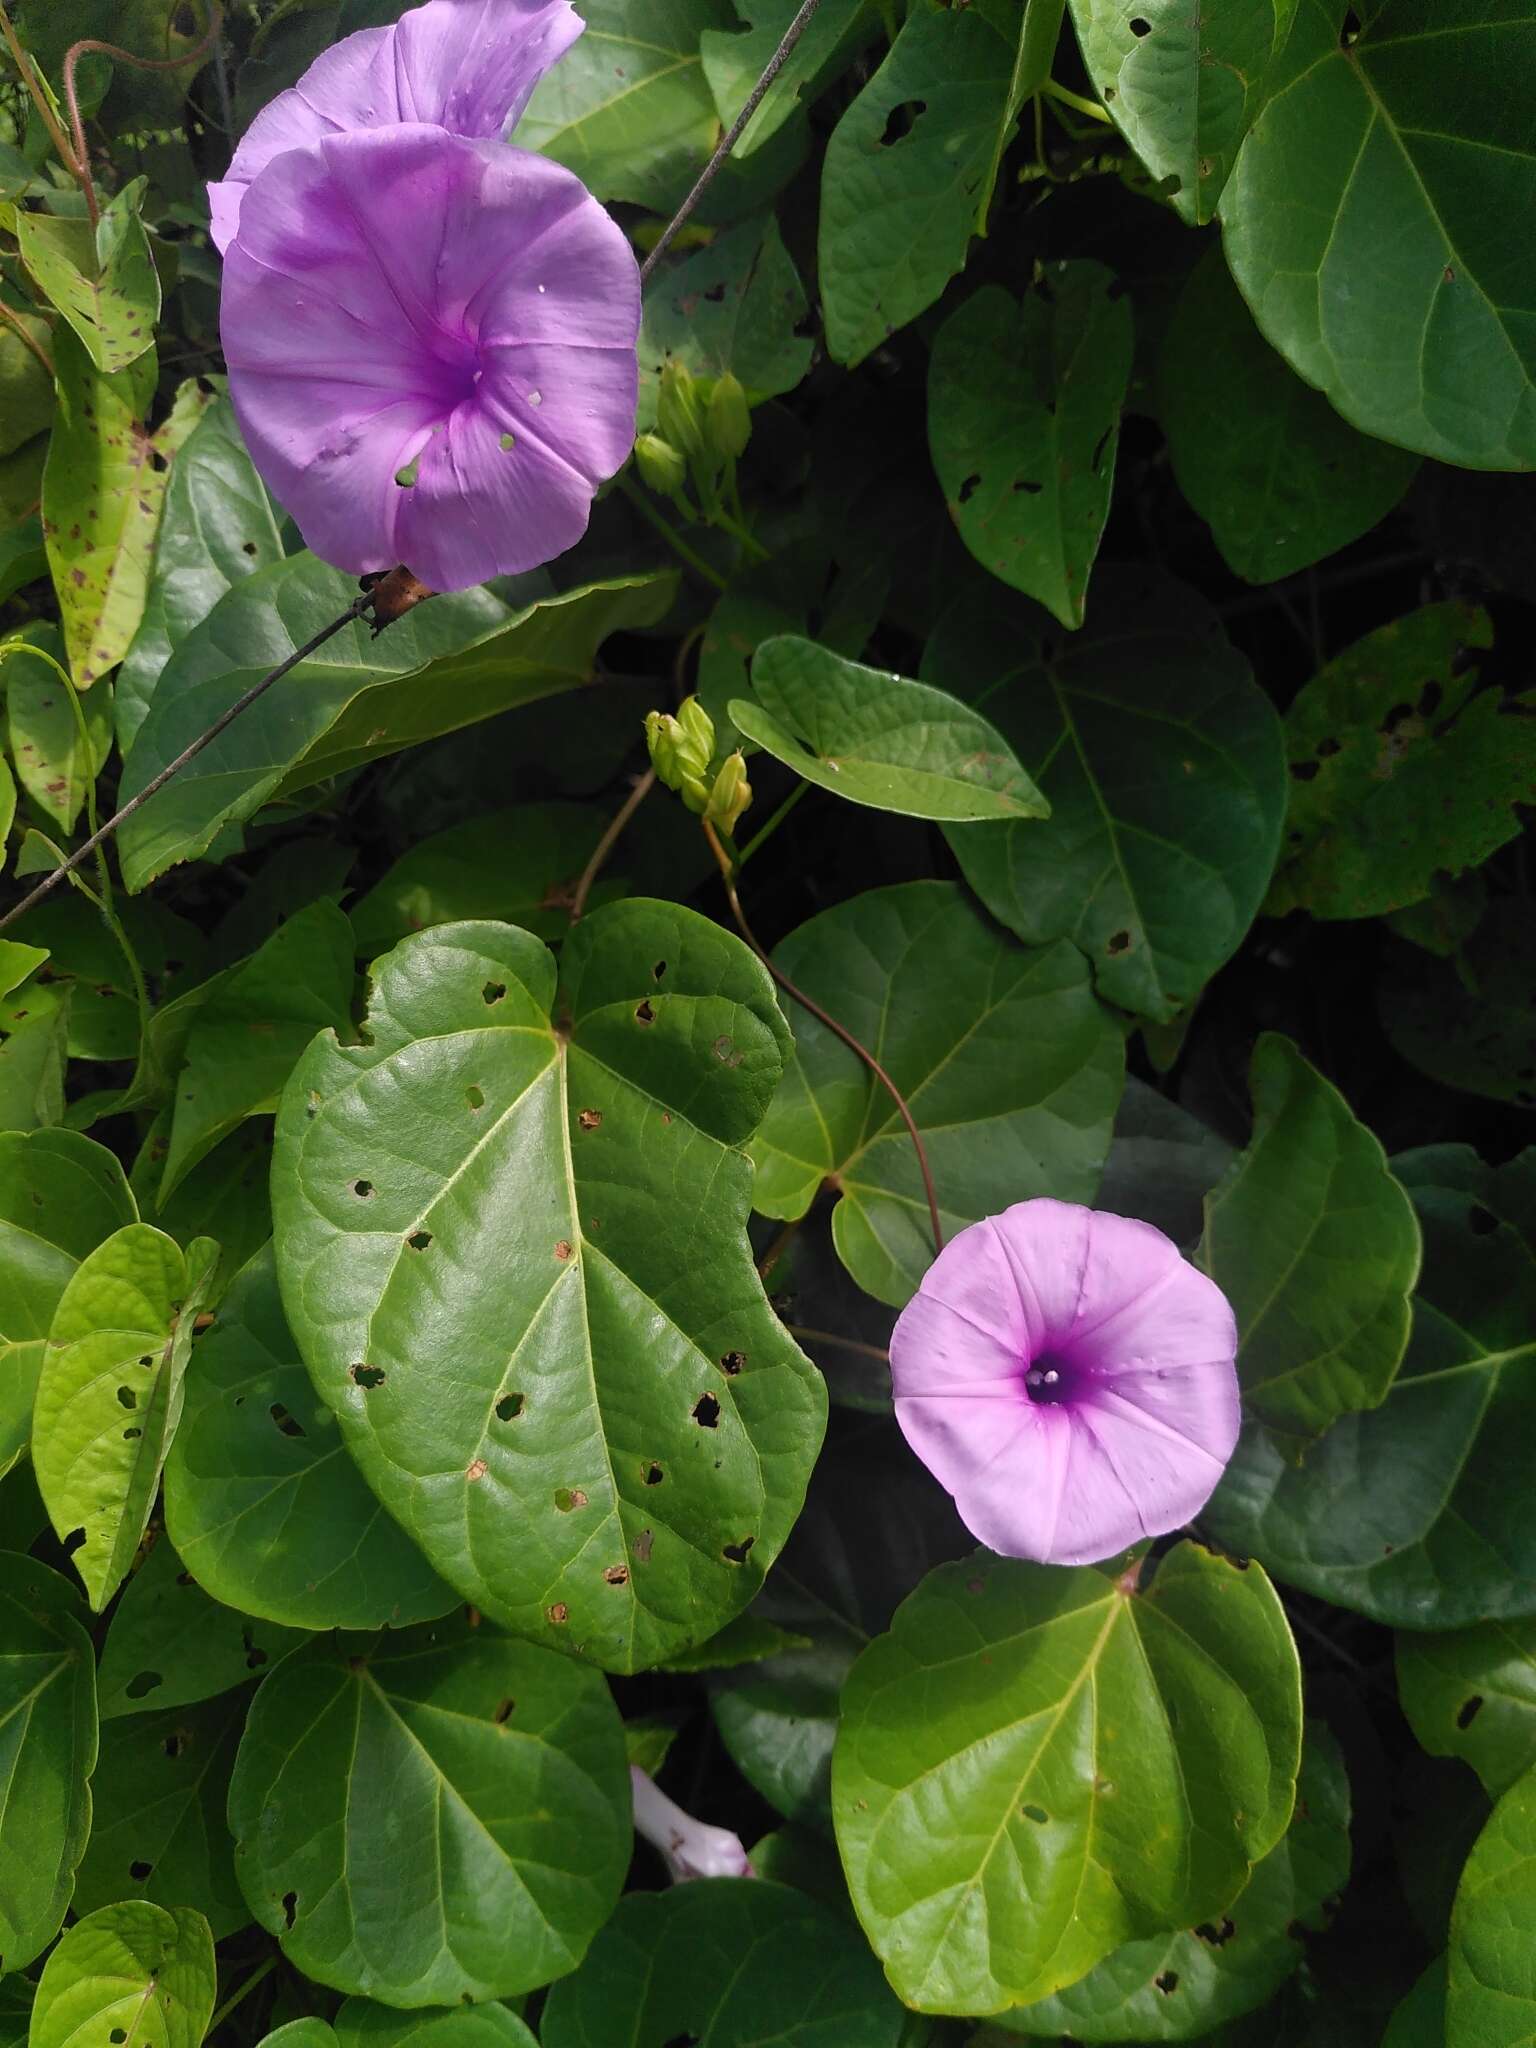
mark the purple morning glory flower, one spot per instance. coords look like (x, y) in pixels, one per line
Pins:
(431, 349)
(1070, 1379)
(690, 1848)
(469, 66)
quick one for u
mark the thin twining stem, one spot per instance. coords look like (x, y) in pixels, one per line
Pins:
(594, 867)
(731, 137)
(38, 97)
(156, 783)
(727, 875)
(72, 56)
(803, 1335)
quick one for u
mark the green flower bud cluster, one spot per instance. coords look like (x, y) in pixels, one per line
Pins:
(682, 753)
(703, 425)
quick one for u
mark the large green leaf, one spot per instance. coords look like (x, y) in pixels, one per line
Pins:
(448, 663)
(732, 1961)
(1366, 221)
(1172, 1987)
(1402, 768)
(1316, 1247)
(1162, 762)
(103, 280)
(880, 739)
(432, 1814)
(56, 763)
(109, 1394)
(513, 1253)
(1264, 459)
(169, 1644)
(1471, 1693)
(1010, 1066)
(47, 1753)
(261, 1498)
(1490, 1991)
(1039, 1764)
(733, 305)
(129, 1965)
(520, 864)
(1416, 1512)
(735, 59)
(1466, 1021)
(362, 2024)
(1023, 422)
(1183, 84)
(246, 1038)
(60, 1195)
(218, 526)
(158, 1831)
(897, 214)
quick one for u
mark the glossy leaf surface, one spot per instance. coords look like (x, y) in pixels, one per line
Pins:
(129, 1965)
(1490, 1992)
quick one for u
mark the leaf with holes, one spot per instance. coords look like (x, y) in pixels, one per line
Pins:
(1161, 759)
(109, 1394)
(361, 2024)
(908, 170)
(1471, 1693)
(60, 1195)
(446, 664)
(169, 1644)
(732, 306)
(55, 762)
(520, 864)
(1490, 1993)
(1404, 766)
(736, 57)
(1365, 222)
(263, 1502)
(1009, 1065)
(102, 279)
(513, 1253)
(1172, 1987)
(1023, 421)
(731, 1961)
(1415, 1513)
(1316, 1246)
(1278, 476)
(432, 1814)
(880, 739)
(48, 1740)
(158, 1831)
(218, 527)
(1038, 1764)
(129, 1965)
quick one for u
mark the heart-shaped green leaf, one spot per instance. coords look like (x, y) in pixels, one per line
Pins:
(1490, 1995)
(513, 1252)
(261, 1498)
(432, 1814)
(733, 305)
(132, 1965)
(1038, 1764)
(1010, 1066)
(109, 1394)
(48, 1734)
(1471, 1693)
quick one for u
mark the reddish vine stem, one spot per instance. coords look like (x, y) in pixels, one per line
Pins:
(840, 1031)
(609, 840)
(82, 163)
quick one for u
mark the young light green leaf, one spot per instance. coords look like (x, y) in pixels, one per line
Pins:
(1012, 1079)
(1172, 1987)
(362, 2024)
(132, 1965)
(1278, 476)
(1120, 725)
(48, 1730)
(158, 1830)
(1023, 422)
(18, 962)
(1108, 1761)
(1466, 1021)
(475, 1183)
(218, 527)
(305, 2033)
(736, 57)
(1366, 223)
(444, 665)
(55, 764)
(60, 1195)
(261, 1498)
(109, 1394)
(103, 280)
(1403, 767)
(880, 739)
(729, 1960)
(1471, 1693)
(487, 1777)
(1316, 1246)
(732, 306)
(1490, 1997)
(898, 209)
(1415, 1512)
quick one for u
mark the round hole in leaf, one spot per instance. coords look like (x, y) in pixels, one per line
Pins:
(509, 1407)
(706, 1411)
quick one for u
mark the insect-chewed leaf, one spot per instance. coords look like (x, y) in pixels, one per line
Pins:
(128, 1965)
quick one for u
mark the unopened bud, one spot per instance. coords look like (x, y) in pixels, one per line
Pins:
(688, 1847)
(680, 411)
(731, 795)
(730, 418)
(681, 749)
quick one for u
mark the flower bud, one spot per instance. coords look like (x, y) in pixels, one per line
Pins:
(680, 411)
(660, 465)
(731, 795)
(730, 418)
(681, 749)
(689, 1847)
